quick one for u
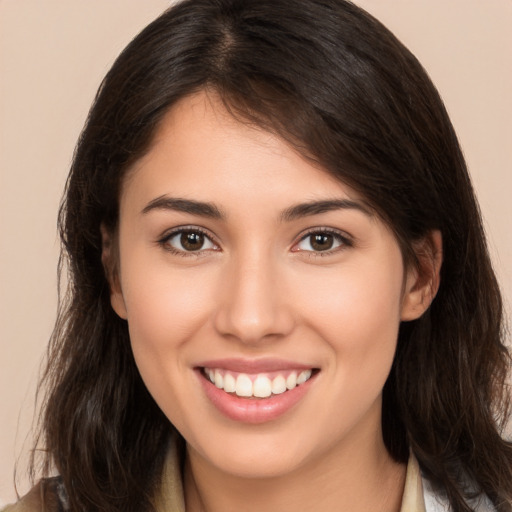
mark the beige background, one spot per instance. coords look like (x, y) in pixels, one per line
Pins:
(53, 54)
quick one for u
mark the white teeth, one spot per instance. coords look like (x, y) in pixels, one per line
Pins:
(278, 385)
(291, 380)
(262, 387)
(219, 379)
(229, 383)
(243, 385)
(303, 376)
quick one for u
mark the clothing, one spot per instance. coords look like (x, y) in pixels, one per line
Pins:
(418, 493)
(171, 498)
(436, 503)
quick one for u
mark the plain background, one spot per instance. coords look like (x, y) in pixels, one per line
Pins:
(53, 54)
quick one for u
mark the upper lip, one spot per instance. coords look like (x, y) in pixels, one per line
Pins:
(262, 365)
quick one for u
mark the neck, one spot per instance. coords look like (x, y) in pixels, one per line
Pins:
(358, 479)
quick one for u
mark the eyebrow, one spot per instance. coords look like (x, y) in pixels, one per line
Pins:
(191, 206)
(210, 210)
(317, 207)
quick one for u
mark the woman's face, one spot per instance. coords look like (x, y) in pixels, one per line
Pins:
(242, 263)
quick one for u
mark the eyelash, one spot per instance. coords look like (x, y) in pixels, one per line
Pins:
(164, 241)
(342, 238)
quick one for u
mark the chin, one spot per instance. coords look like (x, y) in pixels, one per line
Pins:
(257, 455)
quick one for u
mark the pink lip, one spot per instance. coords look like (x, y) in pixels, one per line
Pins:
(253, 365)
(253, 410)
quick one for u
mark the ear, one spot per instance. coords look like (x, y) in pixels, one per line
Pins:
(422, 281)
(110, 261)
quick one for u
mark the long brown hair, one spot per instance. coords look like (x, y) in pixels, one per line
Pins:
(345, 92)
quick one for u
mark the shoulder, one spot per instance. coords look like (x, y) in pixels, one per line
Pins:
(436, 502)
(48, 496)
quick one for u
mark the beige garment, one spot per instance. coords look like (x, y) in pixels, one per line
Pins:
(171, 498)
(412, 500)
(33, 501)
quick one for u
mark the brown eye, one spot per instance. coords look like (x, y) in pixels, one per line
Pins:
(192, 240)
(322, 242)
(188, 240)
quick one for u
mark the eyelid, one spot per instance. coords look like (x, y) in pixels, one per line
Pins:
(167, 235)
(342, 236)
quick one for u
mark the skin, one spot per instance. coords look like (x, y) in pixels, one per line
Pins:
(256, 289)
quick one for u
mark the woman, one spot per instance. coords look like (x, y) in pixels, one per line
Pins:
(280, 293)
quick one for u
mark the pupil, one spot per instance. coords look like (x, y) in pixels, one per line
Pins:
(192, 241)
(322, 242)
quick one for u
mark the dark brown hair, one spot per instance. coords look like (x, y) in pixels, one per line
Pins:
(345, 92)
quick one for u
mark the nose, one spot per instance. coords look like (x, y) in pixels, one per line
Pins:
(253, 306)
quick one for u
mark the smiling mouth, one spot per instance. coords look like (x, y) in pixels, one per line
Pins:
(261, 385)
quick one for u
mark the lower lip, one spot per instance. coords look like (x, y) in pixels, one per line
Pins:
(253, 410)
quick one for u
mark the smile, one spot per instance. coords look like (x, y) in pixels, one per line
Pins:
(255, 392)
(261, 385)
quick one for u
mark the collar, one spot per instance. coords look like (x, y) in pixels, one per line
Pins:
(412, 500)
(171, 497)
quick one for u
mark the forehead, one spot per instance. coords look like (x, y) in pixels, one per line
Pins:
(201, 149)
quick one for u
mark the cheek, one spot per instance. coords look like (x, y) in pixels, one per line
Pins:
(165, 309)
(165, 306)
(360, 325)
(355, 306)
(356, 312)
